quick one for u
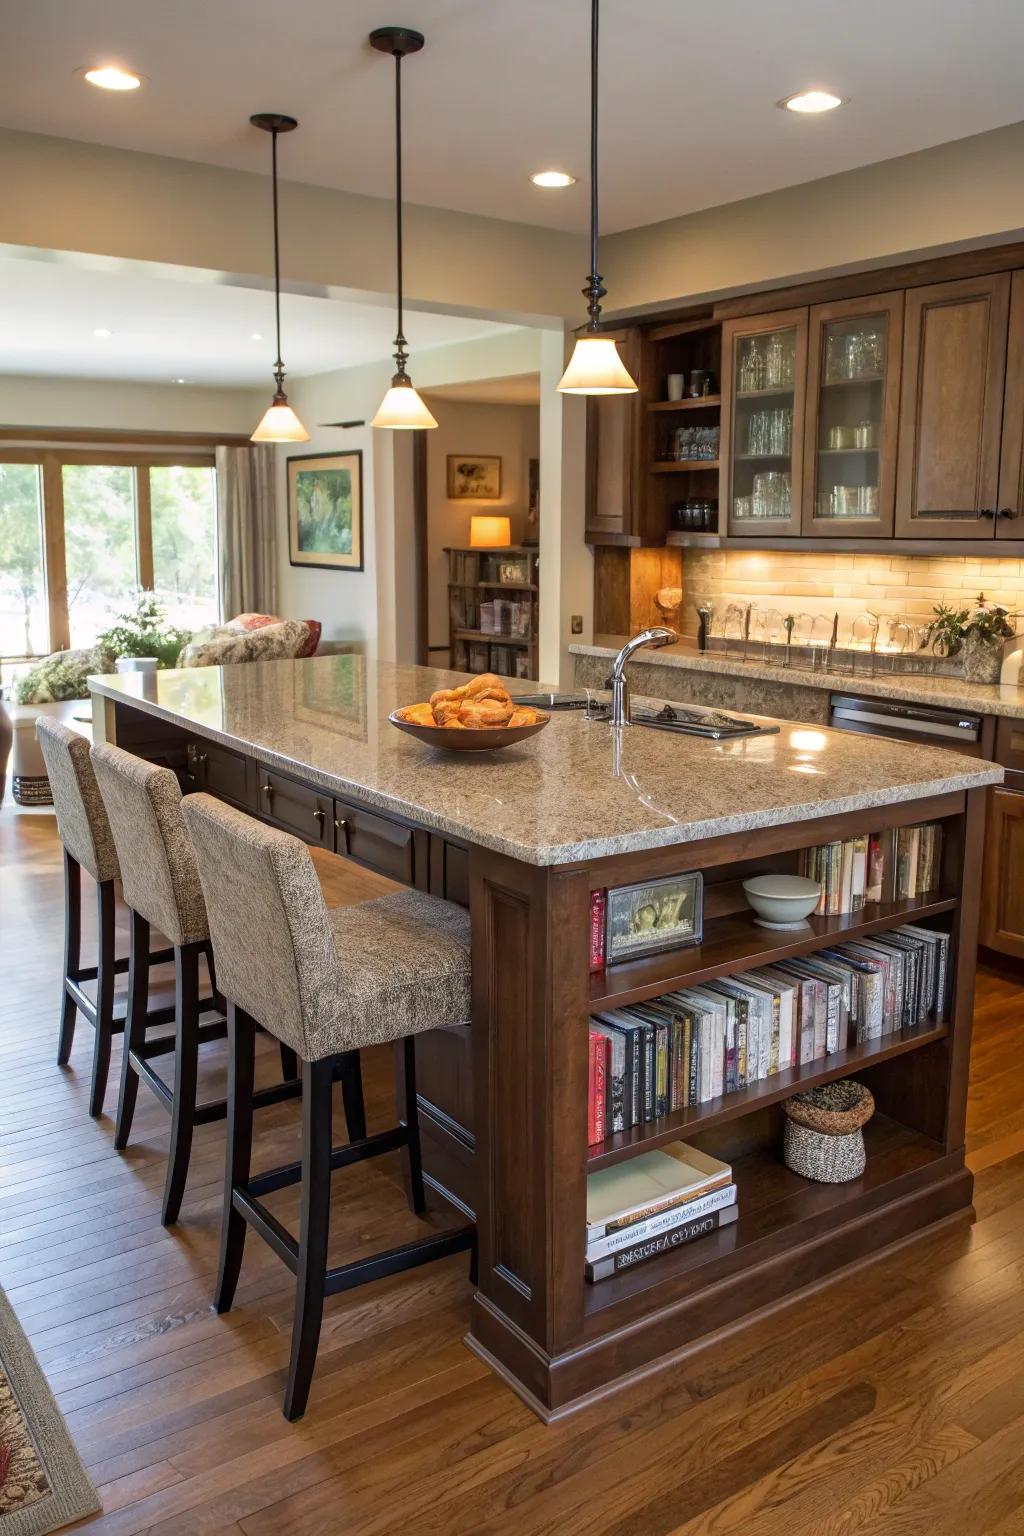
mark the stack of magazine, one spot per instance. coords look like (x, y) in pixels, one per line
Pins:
(690, 1047)
(653, 1203)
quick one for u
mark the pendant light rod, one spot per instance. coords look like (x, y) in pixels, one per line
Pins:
(595, 290)
(398, 41)
(275, 123)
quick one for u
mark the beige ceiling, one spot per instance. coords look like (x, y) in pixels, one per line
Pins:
(688, 117)
(517, 389)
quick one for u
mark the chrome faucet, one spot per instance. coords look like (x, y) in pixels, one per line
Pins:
(620, 714)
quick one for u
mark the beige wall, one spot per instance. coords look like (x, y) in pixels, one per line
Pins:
(63, 195)
(85, 403)
(512, 432)
(904, 585)
(966, 193)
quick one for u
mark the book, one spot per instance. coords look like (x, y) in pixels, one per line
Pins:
(633, 1090)
(643, 1186)
(663, 1221)
(596, 1087)
(598, 903)
(615, 1079)
(627, 1258)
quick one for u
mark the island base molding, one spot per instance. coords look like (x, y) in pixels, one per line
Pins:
(556, 1387)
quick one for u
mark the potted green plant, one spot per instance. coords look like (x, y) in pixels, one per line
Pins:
(975, 635)
(142, 633)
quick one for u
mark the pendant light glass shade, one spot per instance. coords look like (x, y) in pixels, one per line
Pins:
(401, 410)
(280, 423)
(595, 367)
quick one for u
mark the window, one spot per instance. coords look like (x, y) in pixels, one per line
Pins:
(80, 532)
(24, 621)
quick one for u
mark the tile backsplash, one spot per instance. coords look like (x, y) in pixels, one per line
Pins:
(808, 582)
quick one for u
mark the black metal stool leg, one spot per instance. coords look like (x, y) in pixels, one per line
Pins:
(317, 1078)
(352, 1095)
(409, 1115)
(135, 1026)
(186, 1071)
(72, 954)
(238, 1158)
(104, 995)
(289, 1064)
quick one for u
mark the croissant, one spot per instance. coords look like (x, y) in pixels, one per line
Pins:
(444, 711)
(446, 695)
(418, 714)
(523, 716)
(484, 714)
(480, 686)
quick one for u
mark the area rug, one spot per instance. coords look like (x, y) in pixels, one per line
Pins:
(43, 1484)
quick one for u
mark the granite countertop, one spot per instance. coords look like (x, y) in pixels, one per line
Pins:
(576, 791)
(952, 692)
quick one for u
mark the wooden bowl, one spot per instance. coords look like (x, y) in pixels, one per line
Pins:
(468, 741)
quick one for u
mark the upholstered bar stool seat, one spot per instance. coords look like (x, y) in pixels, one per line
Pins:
(84, 831)
(325, 983)
(162, 889)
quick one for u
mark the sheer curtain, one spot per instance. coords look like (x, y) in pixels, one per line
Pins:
(247, 529)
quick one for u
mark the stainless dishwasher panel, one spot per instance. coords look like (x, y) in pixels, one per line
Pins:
(900, 721)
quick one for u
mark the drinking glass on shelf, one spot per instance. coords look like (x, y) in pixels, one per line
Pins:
(820, 639)
(742, 508)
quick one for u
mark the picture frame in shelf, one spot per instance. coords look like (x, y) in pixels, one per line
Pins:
(515, 571)
(652, 916)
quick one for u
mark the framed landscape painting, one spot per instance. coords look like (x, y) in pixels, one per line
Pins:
(474, 477)
(325, 510)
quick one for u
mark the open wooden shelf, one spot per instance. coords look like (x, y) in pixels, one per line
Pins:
(780, 1085)
(479, 634)
(678, 466)
(778, 1211)
(698, 403)
(735, 943)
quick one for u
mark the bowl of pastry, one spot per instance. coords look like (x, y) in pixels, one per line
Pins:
(476, 717)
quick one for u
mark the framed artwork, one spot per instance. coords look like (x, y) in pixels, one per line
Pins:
(657, 914)
(474, 477)
(325, 510)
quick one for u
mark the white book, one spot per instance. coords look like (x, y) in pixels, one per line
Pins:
(664, 1221)
(643, 1186)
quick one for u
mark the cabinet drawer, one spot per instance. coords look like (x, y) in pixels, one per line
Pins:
(295, 808)
(1010, 750)
(219, 771)
(375, 841)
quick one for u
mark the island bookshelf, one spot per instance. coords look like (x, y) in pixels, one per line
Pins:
(475, 579)
(568, 1340)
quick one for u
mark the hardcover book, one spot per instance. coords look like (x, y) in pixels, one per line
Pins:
(628, 1258)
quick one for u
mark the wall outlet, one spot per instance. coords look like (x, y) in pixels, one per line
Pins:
(576, 623)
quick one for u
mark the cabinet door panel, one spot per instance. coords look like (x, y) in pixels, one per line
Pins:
(1002, 909)
(1010, 522)
(614, 488)
(296, 808)
(764, 379)
(854, 359)
(954, 361)
(375, 841)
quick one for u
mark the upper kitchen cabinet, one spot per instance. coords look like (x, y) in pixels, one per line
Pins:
(851, 426)
(764, 377)
(615, 502)
(1010, 511)
(954, 360)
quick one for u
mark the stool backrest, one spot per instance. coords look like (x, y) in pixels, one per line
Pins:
(81, 815)
(158, 867)
(272, 942)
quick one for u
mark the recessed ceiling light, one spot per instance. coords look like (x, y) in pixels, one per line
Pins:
(102, 332)
(256, 336)
(110, 78)
(181, 381)
(552, 179)
(811, 101)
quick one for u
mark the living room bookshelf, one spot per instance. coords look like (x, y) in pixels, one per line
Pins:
(493, 609)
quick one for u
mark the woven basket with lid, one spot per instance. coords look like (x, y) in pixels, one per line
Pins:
(824, 1138)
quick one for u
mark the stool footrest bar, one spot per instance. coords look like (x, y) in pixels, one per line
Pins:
(394, 1260)
(268, 1227)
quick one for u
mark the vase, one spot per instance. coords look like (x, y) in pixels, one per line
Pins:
(982, 659)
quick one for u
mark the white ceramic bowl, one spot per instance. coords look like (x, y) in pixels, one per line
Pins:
(782, 901)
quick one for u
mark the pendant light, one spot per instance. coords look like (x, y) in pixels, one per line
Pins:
(595, 367)
(280, 423)
(401, 409)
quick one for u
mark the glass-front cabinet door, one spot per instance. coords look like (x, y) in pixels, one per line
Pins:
(764, 374)
(853, 395)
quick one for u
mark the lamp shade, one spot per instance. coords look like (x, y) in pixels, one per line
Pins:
(403, 411)
(280, 425)
(596, 368)
(489, 532)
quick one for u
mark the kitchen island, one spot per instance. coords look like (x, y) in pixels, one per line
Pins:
(523, 837)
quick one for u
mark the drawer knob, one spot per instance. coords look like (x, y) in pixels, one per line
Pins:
(318, 817)
(341, 825)
(268, 789)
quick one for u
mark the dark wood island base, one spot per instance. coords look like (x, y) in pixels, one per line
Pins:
(503, 1103)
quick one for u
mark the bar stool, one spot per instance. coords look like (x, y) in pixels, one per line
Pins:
(84, 831)
(325, 983)
(161, 889)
